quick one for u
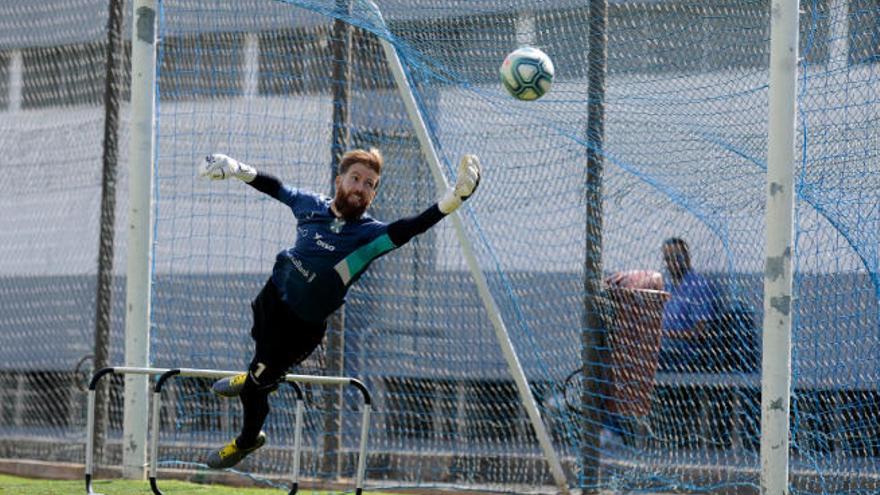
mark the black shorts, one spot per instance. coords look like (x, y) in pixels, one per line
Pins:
(282, 338)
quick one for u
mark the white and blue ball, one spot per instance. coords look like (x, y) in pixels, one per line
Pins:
(527, 73)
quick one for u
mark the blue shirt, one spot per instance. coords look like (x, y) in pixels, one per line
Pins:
(329, 254)
(691, 301)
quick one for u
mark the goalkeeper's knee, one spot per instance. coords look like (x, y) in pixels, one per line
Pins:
(261, 381)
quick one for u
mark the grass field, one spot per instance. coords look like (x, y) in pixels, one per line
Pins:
(12, 485)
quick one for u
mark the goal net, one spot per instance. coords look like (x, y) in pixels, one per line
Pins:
(682, 156)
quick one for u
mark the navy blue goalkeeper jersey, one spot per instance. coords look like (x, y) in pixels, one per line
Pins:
(328, 256)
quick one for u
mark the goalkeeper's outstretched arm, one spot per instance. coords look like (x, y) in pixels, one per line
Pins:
(221, 167)
(266, 183)
(467, 181)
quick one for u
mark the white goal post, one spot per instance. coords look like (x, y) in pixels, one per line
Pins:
(140, 233)
(779, 251)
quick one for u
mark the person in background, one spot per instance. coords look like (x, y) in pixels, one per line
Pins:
(690, 317)
(688, 312)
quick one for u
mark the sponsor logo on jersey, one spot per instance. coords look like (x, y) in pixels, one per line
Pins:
(336, 225)
(319, 241)
(305, 272)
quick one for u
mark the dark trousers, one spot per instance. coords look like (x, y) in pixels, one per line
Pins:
(282, 339)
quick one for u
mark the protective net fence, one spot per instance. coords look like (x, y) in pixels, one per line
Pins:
(51, 127)
(667, 398)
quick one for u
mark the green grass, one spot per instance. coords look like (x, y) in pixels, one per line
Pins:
(12, 485)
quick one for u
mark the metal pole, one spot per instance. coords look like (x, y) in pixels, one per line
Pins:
(331, 460)
(250, 78)
(593, 336)
(362, 450)
(137, 290)
(297, 445)
(154, 438)
(776, 361)
(16, 79)
(838, 34)
(153, 473)
(110, 159)
(90, 440)
(492, 310)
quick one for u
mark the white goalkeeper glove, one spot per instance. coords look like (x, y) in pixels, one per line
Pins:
(220, 167)
(465, 184)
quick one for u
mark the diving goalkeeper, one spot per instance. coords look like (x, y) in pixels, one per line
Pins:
(335, 243)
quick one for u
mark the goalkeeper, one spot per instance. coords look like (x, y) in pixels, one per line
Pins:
(336, 241)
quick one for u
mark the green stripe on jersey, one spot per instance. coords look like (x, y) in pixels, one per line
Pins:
(352, 265)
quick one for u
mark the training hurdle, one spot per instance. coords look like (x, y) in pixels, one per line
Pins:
(164, 374)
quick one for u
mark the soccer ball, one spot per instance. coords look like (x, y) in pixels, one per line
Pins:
(527, 73)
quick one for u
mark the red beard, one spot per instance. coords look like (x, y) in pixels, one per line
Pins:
(348, 207)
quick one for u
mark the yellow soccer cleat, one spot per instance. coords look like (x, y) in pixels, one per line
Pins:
(230, 386)
(231, 454)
